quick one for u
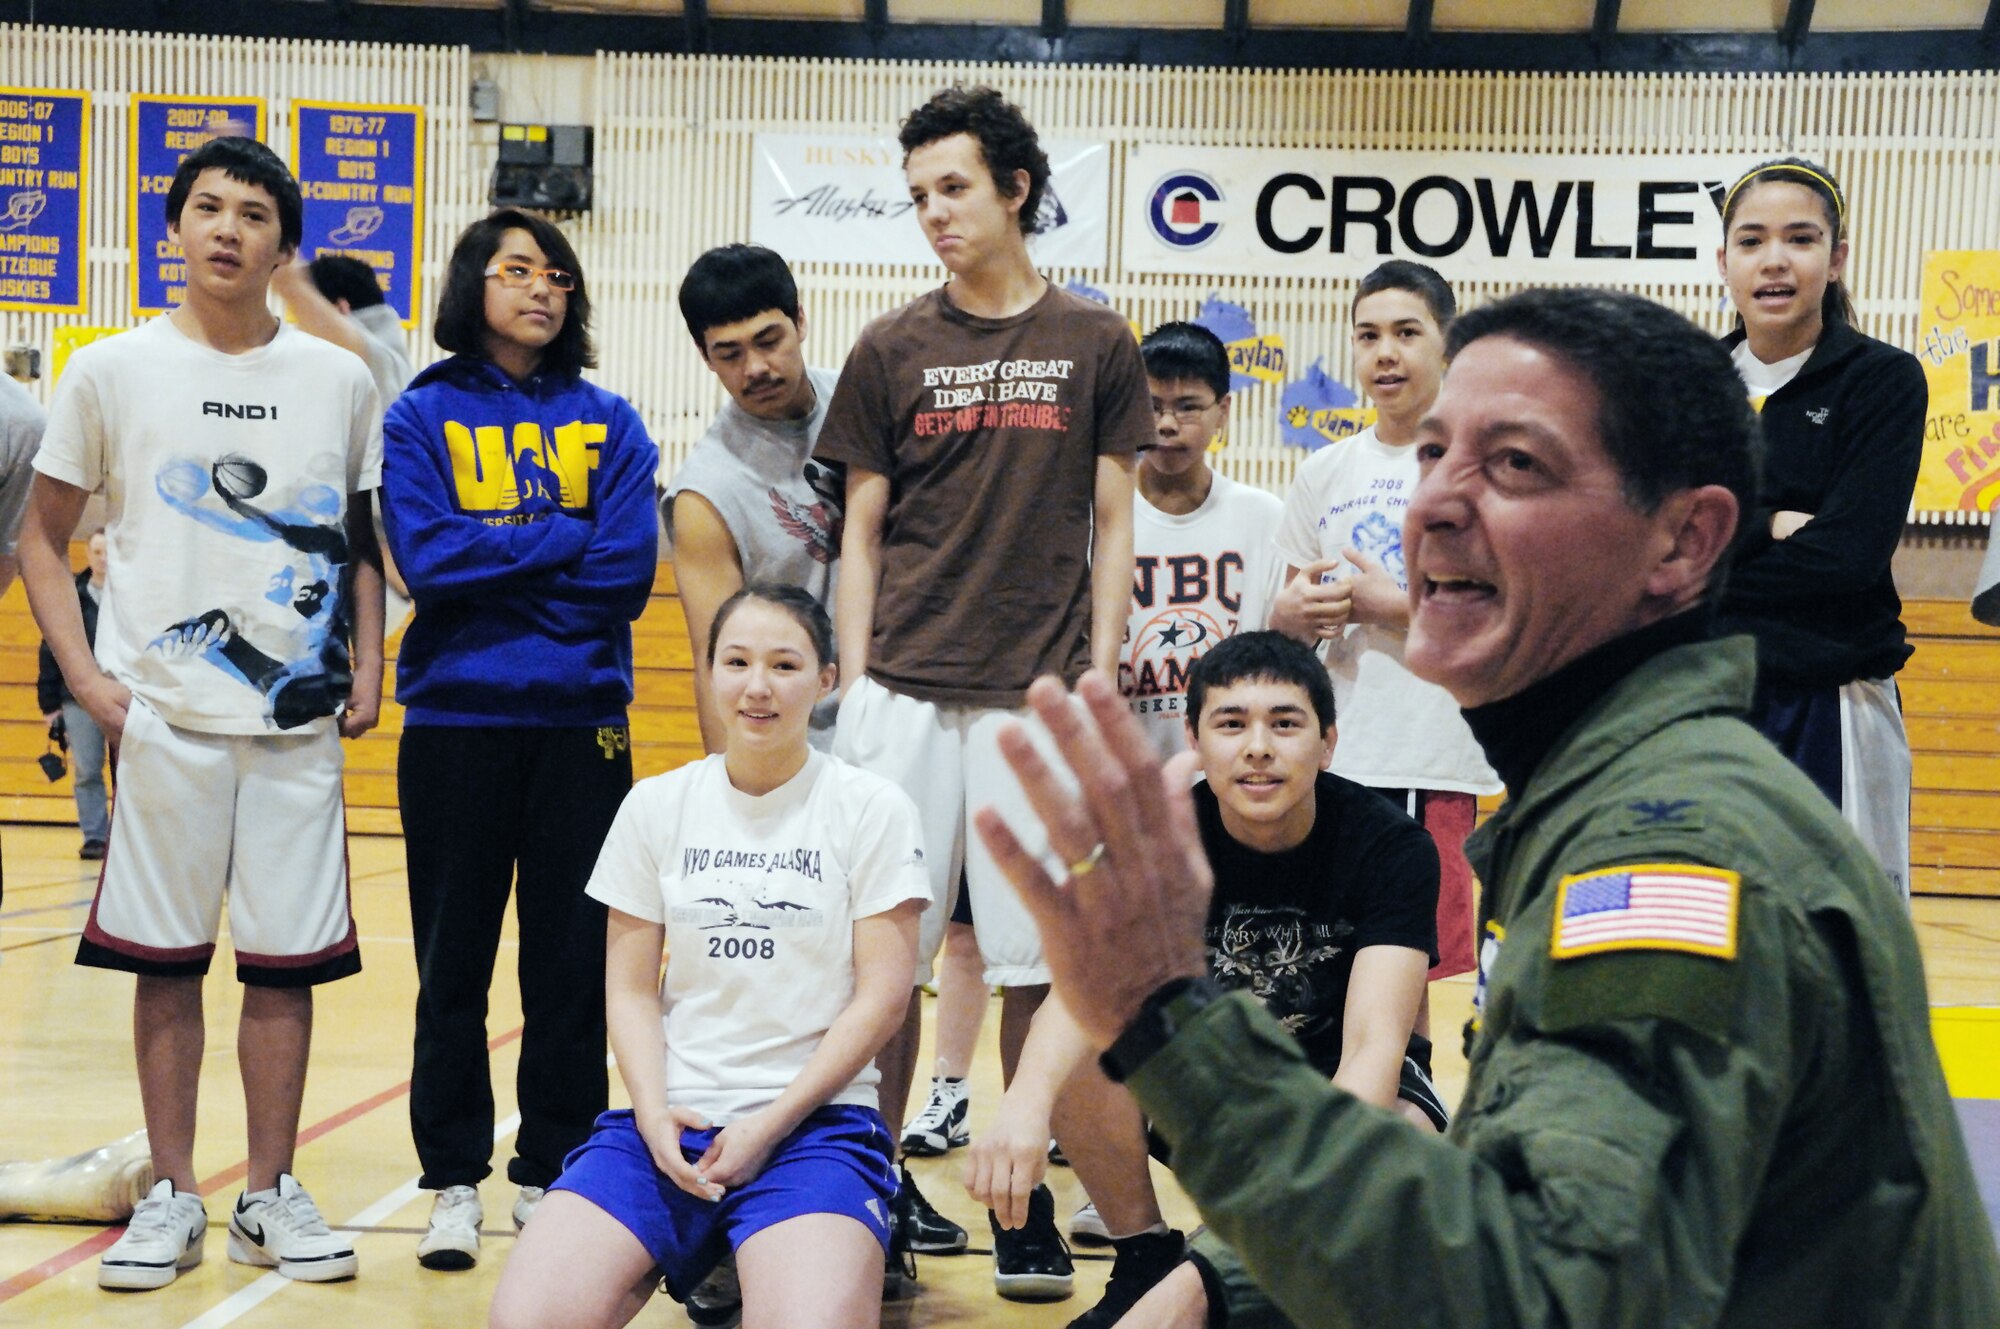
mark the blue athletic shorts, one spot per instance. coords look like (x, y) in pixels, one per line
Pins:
(836, 1162)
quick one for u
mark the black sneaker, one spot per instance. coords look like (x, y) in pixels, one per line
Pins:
(899, 1268)
(717, 1301)
(923, 1228)
(1138, 1263)
(1031, 1262)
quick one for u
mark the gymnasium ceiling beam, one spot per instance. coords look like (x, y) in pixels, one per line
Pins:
(1236, 21)
(1798, 22)
(873, 37)
(1604, 22)
(514, 24)
(1417, 25)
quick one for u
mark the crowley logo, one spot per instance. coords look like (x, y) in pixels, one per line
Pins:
(231, 411)
(1183, 210)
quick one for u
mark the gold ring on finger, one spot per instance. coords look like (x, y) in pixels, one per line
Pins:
(1088, 863)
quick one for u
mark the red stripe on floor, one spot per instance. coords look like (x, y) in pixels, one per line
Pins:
(95, 1244)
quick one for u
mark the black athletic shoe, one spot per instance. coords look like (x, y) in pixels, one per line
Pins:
(717, 1301)
(923, 1228)
(1031, 1262)
(1137, 1264)
(899, 1268)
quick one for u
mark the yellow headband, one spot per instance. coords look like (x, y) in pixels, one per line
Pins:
(1839, 206)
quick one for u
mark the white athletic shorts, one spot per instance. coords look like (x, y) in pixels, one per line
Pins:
(257, 818)
(947, 758)
(1875, 774)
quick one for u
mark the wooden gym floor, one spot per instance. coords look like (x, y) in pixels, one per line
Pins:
(67, 1085)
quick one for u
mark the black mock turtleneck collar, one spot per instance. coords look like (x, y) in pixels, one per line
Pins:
(1518, 731)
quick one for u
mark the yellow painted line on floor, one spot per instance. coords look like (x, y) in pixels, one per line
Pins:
(1968, 1042)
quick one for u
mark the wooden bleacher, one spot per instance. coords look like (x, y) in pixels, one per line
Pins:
(1951, 702)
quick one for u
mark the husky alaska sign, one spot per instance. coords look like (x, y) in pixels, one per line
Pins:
(1474, 216)
(841, 198)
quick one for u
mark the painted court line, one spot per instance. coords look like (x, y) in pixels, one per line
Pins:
(35, 1275)
(45, 908)
(243, 1300)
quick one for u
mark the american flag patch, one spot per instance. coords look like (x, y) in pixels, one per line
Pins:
(1647, 907)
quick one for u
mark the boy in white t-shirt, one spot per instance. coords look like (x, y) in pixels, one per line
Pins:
(236, 457)
(1345, 585)
(1204, 565)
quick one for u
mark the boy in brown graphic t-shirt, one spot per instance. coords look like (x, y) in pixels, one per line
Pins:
(989, 430)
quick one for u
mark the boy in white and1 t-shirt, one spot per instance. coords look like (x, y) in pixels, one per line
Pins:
(1204, 566)
(236, 456)
(1345, 585)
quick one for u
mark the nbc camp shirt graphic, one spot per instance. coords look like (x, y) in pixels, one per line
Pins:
(508, 476)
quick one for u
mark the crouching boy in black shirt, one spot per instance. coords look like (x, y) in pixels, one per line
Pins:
(1324, 907)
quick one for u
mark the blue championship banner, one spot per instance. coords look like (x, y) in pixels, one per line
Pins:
(44, 172)
(163, 131)
(361, 169)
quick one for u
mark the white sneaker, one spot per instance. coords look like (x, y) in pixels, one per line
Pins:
(163, 1238)
(525, 1204)
(941, 1126)
(453, 1240)
(283, 1230)
(1086, 1228)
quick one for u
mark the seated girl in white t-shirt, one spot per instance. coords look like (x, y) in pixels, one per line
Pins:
(785, 886)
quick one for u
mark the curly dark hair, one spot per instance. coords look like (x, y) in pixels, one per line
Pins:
(1006, 141)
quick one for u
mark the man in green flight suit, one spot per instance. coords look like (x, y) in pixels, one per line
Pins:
(1702, 1086)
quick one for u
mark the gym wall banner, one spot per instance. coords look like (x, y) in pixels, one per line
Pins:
(1474, 216)
(842, 198)
(361, 169)
(163, 131)
(44, 175)
(1958, 343)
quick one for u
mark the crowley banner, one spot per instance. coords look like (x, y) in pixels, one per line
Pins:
(44, 171)
(841, 198)
(1474, 216)
(361, 169)
(1958, 343)
(163, 131)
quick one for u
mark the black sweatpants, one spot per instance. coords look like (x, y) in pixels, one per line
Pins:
(481, 805)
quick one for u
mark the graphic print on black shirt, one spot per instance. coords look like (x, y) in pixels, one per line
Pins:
(1295, 964)
(1285, 927)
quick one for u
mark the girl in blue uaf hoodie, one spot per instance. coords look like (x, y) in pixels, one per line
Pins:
(519, 505)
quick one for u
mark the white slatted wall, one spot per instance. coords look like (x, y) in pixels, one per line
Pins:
(1919, 154)
(111, 66)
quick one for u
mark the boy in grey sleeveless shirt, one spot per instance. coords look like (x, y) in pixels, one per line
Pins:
(749, 503)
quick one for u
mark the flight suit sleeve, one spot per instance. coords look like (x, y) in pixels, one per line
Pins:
(1600, 1177)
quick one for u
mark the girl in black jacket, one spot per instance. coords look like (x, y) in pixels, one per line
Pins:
(1843, 419)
